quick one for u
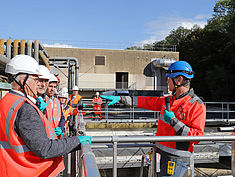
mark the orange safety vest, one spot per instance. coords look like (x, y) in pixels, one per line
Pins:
(53, 114)
(16, 158)
(67, 112)
(75, 100)
(97, 103)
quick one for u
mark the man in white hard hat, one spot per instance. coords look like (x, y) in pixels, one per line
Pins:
(42, 85)
(29, 146)
(67, 109)
(54, 113)
(75, 98)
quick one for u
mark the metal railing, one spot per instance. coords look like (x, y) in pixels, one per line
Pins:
(221, 112)
(116, 140)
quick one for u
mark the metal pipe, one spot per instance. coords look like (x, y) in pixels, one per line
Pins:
(226, 129)
(70, 59)
(2, 41)
(15, 47)
(131, 139)
(36, 49)
(142, 166)
(8, 48)
(161, 62)
(69, 86)
(44, 59)
(233, 157)
(114, 159)
(29, 47)
(22, 46)
(3, 60)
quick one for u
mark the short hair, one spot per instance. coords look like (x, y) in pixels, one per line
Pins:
(185, 82)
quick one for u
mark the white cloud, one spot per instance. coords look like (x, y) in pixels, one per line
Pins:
(58, 45)
(161, 27)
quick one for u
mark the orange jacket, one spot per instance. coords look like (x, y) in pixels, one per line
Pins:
(190, 115)
(16, 158)
(74, 102)
(53, 114)
(97, 103)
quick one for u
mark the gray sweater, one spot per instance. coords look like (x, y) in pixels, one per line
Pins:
(29, 126)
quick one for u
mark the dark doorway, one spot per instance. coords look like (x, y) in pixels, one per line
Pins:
(121, 80)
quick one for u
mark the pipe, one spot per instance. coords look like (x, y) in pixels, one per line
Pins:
(132, 139)
(36, 49)
(15, 47)
(3, 60)
(22, 46)
(69, 59)
(29, 47)
(2, 41)
(44, 59)
(161, 62)
(8, 48)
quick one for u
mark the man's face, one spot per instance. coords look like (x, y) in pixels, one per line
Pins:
(62, 100)
(42, 85)
(170, 84)
(75, 92)
(31, 85)
(51, 89)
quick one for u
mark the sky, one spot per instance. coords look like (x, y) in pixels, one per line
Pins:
(113, 24)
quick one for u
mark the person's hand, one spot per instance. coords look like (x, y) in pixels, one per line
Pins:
(85, 139)
(114, 99)
(58, 131)
(168, 116)
(83, 105)
(41, 104)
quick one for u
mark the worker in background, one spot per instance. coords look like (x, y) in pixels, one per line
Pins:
(67, 109)
(75, 98)
(97, 101)
(54, 111)
(29, 146)
(184, 115)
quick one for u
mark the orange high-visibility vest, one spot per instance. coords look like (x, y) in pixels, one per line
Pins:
(53, 114)
(16, 158)
(67, 112)
(74, 102)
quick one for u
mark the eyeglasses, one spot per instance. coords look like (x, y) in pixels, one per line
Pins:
(36, 79)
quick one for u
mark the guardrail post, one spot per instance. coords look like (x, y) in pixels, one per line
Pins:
(114, 159)
(233, 156)
(142, 166)
(154, 174)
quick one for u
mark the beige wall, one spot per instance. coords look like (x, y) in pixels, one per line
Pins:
(98, 77)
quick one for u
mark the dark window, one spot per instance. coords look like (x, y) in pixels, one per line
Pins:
(121, 80)
(99, 60)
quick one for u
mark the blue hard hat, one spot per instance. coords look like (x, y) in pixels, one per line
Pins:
(180, 68)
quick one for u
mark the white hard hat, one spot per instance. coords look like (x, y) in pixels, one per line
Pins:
(53, 78)
(63, 93)
(64, 90)
(97, 93)
(75, 87)
(44, 71)
(22, 64)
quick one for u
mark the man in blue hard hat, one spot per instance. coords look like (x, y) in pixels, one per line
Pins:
(183, 115)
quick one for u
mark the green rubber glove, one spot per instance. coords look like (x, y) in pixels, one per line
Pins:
(85, 139)
(58, 131)
(168, 116)
(114, 99)
(41, 104)
(83, 105)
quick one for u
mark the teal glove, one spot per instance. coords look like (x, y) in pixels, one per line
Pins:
(85, 139)
(168, 116)
(83, 105)
(114, 99)
(58, 131)
(41, 104)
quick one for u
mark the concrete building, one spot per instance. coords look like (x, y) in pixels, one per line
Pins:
(103, 70)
